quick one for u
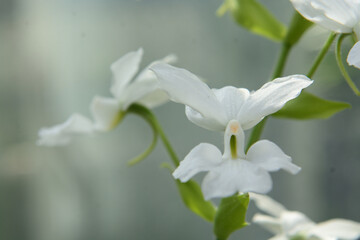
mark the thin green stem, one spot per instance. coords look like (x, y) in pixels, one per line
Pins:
(354, 38)
(342, 67)
(152, 120)
(149, 150)
(285, 50)
(321, 55)
(167, 144)
(287, 45)
(257, 130)
(256, 133)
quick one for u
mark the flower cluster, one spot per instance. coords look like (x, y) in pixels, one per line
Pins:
(230, 110)
(295, 225)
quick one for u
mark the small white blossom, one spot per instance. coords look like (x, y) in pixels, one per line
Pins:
(213, 109)
(340, 16)
(231, 110)
(106, 111)
(234, 171)
(288, 225)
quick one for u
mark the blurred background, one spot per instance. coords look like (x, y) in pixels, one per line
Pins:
(55, 56)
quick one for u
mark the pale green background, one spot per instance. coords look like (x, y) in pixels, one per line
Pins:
(55, 56)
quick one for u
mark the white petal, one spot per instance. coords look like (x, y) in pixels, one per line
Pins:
(136, 91)
(353, 58)
(270, 98)
(336, 15)
(267, 204)
(124, 70)
(105, 112)
(269, 223)
(313, 237)
(184, 87)
(233, 176)
(270, 157)
(337, 229)
(145, 88)
(147, 74)
(203, 157)
(231, 100)
(279, 237)
(294, 223)
(154, 99)
(63, 133)
(205, 122)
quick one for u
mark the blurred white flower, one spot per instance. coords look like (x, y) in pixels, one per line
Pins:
(107, 112)
(213, 109)
(234, 171)
(292, 225)
(341, 16)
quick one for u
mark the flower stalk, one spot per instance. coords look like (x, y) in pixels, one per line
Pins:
(150, 118)
(321, 55)
(281, 62)
(341, 66)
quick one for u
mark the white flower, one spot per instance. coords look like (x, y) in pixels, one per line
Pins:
(341, 16)
(213, 109)
(107, 112)
(231, 110)
(288, 225)
(234, 171)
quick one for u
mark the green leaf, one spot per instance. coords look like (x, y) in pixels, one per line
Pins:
(254, 17)
(296, 29)
(309, 106)
(193, 198)
(231, 215)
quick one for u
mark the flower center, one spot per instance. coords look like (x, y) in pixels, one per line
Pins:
(234, 127)
(233, 147)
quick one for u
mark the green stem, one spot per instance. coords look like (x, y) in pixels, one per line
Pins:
(342, 67)
(285, 50)
(293, 36)
(167, 144)
(256, 133)
(149, 150)
(151, 119)
(257, 130)
(321, 54)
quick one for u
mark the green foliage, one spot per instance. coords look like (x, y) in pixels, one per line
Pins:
(230, 215)
(254, 17)
(297, 28)
(309, 106)
(193, 198)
